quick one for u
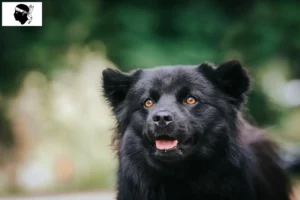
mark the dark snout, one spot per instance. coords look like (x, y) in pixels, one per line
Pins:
(168, 132)
(160, 122)
(162, 118)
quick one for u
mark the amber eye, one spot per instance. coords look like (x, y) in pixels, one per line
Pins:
(191, 100)
(148, 103)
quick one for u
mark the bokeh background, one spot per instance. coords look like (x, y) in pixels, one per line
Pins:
(55, 126)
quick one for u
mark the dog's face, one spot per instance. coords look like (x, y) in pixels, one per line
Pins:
(171, 114)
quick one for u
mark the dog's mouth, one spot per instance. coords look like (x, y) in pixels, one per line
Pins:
(172, 148)
(165, 142)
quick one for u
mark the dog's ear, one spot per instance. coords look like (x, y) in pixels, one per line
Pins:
(115, 84)
(233, 78)
(230, 77)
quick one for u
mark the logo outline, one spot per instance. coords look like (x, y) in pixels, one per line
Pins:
(34, 14)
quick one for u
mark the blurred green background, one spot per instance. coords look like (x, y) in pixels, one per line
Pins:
(55, 126)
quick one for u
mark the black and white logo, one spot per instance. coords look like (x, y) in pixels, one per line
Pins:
(22, 14)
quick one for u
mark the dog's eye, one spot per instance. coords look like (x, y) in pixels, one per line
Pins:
(191, 100)
(148, 103)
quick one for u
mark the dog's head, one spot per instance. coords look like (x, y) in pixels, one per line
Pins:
(177, 112)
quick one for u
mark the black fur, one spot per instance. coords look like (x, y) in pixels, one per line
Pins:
(219, 155)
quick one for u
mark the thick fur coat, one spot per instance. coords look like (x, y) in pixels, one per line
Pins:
(181, 134)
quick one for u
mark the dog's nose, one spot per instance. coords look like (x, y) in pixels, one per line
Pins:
(162, 118)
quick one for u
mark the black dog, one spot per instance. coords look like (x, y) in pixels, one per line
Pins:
(181, 135)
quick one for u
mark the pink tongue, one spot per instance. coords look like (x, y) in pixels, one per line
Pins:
(165, 144)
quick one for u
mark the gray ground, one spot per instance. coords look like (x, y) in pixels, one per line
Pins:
(79, 196)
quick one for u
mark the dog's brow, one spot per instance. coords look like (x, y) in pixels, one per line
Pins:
(183, 92)
(154, 94)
